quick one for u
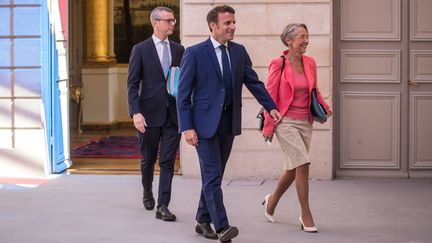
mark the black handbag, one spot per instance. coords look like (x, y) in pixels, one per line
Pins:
(260, 115)
(318, 112)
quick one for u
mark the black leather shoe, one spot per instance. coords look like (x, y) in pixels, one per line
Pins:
(149, 202)
(206, 230)
(227, 234)
(163, 213)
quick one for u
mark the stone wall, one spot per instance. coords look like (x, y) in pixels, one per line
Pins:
(259, 24)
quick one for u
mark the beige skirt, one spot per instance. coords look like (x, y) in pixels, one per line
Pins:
(294, 136)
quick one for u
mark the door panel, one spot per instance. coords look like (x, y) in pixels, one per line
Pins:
(364, 66)
(420, 22)
(421, 130)
(370, 20)
(420, 88)
(371, 118)
(384, 87)
(421, 66)
(370, 130)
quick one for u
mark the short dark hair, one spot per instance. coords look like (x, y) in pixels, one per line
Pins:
(213, 15)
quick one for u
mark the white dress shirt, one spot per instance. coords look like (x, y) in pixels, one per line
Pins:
(219, 52)
(159, 47)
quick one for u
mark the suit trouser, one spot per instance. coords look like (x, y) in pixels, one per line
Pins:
(169, 140)
(213, 155)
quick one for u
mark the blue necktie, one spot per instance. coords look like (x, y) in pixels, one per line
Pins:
(165, 59)
(226, 76)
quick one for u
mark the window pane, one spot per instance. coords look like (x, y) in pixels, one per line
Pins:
(27, 52)
(5, 76)
(5, 21)
(27, 1)
(5, 113)
(26, 21)
(5, 138)
(27, 82)
(28, 113)
(5, 48)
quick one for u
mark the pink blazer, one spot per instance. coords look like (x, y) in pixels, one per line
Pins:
(281, 88)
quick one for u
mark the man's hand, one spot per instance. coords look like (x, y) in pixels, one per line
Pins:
(276, 116)
(139, 122)
(191, 137)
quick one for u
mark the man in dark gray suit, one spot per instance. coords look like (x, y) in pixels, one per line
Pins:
(153, 109)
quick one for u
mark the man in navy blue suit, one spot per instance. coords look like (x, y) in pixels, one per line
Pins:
(153, 109)
(209, 102)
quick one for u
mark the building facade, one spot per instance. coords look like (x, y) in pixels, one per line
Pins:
(33, 88)
(374, 60)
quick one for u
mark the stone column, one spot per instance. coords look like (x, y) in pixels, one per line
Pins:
(99, 73)
(111, 30)
(98, 32)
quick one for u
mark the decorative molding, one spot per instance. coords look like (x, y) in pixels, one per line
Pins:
(372, 32)
(367, 118)
(417, 12)
(365, 58)
(421, 59)
(420, 120)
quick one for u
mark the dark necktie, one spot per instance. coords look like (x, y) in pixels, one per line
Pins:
(165, 58)
(226, 76)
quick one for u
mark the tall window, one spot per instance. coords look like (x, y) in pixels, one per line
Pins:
(20, 69)
(132, 24)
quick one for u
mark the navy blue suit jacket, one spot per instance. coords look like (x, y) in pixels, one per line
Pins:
(146, 85)
(200, 97)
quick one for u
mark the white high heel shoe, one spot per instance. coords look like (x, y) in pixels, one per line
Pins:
(267, 215)
(312, 229)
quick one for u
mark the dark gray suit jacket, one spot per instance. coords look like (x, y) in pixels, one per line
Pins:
(146, 85)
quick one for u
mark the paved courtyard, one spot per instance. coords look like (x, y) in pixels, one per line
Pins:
(108, 208)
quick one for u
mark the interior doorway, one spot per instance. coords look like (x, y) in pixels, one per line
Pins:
(130, 25)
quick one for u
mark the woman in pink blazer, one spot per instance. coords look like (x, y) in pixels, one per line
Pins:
(290, 88)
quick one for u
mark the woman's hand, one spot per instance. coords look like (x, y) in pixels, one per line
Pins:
(329, 112)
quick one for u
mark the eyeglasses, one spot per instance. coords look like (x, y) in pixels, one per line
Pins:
(302, 37)
(169, 21)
